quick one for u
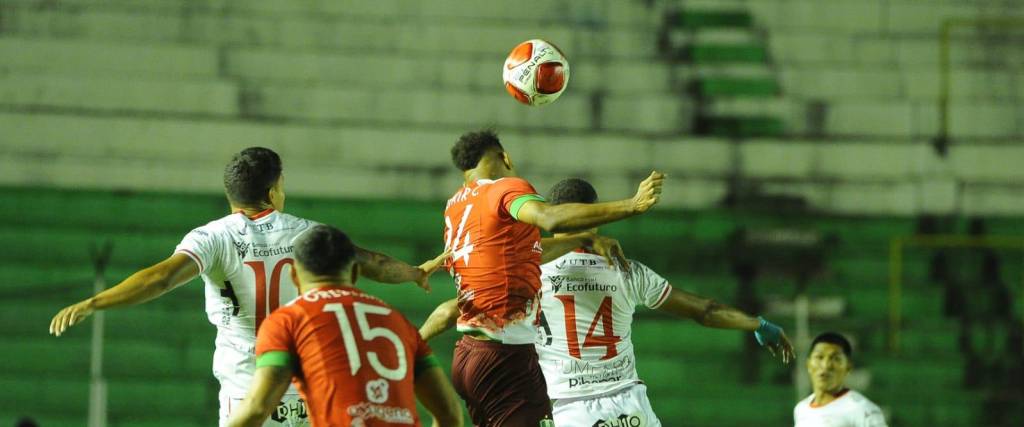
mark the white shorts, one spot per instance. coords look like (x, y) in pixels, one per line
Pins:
(628, 407)
(290, 413)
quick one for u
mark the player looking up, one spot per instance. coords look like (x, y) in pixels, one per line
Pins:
(586, 315)
(492, 228)
(833, 404)
(245, 260)
(356, 360)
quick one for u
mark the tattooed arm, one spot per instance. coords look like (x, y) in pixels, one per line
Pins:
(382, 268)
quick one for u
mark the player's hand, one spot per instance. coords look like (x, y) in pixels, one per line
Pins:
(70, 315)
(428, 268)
(774, 339)
(610, 249)
(649, 192)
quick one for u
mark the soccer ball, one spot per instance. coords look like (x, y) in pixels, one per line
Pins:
(536, 72)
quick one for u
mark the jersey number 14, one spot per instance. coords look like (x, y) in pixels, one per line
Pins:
(604, 315)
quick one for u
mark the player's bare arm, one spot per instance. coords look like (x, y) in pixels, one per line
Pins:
(385, 269)
(581, 216)
(138, 288)
(713, 314)
(436, 394)
(609, 248)
(269, 384)
(442, 319)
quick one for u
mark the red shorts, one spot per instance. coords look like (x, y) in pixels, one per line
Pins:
(502, 385)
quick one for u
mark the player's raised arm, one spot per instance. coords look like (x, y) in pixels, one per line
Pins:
(713, 314)
(268, 385)
(442, 319)
(436, 394)
(385, 269)
(144, 285)
(582, 216)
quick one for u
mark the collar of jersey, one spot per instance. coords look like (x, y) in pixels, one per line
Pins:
(838, 396)
(265, 212)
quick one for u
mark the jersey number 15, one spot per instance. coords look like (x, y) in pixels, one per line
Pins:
(355, 358)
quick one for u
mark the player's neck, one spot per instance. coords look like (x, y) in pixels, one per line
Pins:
(323, 284)
(483, 172)
(249, 211)
(824, 397)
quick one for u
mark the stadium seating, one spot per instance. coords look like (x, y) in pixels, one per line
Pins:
(692, 372)
(831, 102)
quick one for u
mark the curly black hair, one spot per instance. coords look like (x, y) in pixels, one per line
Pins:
(250, 174)
(572, 190)
(471, 147)
(324, 250)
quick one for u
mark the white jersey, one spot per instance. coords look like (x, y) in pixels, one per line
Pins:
(851, 409)
(246, 265)
(586, 311)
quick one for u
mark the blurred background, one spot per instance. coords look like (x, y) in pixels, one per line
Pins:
(849, 165)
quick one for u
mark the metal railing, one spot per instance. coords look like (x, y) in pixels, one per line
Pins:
(898, 244)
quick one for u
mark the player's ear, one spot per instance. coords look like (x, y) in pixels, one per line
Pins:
(295, 276)
(506, 159)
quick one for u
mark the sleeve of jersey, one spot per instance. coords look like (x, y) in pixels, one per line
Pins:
(512, 193)
(275, 342)
(649, 288)
(201, 246)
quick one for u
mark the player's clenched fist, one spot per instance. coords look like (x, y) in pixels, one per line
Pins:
(649, 192)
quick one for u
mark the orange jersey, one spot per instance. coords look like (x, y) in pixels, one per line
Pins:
(353, 356)
(495, 259)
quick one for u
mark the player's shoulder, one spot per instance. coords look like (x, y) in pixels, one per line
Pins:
(861, 400)
(509, 182)
(217, 227)
(805, 402)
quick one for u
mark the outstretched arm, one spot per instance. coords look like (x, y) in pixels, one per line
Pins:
(268, 385)
(385, 269)
(442, 319)
(581, 216)
(144, 285)
(713, 314)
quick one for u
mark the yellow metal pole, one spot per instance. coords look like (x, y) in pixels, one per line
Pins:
(895, 293)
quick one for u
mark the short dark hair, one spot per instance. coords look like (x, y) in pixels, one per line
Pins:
(324, 250)
(572, 190)
(471, 147)
(250, 175)
(836, 339)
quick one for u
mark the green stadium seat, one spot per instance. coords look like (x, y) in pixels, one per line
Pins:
(706, 19)
(651, 336)
(42, 418)
(741, 126)
(708, 54)
(737, 87)
(28, 395)
(145, 399)
(924, 373)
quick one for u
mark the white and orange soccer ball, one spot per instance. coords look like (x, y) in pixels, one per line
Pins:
(536, 72)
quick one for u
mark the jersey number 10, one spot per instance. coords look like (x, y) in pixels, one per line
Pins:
(266, 304)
